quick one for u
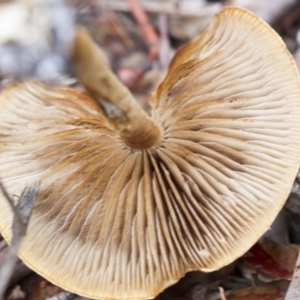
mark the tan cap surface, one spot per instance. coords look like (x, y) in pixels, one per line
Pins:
(117, 223)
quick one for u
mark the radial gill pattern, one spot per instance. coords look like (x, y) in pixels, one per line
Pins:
(113, 222)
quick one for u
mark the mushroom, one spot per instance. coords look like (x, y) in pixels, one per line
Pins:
(127, 203)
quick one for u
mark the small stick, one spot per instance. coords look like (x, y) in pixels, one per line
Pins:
(222, 294)
(146, 27)
(189, 8)
(22, 212)
(131, 77)
(164, 49)
(294, 288)
(18, 218)
(20, 270)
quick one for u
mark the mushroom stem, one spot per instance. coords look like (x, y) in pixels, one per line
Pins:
(136, 128)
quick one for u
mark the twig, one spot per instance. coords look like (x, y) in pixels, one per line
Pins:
(183, 8)
(146, 27)
(63, 296)
(129, 76)
(20, 269)
(294, 288)
(222, 294)
(164, 49)
(22, 212)
(17, 215)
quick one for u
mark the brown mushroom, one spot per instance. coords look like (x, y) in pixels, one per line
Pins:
(128, 205)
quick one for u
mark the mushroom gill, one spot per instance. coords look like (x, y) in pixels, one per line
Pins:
(117, 221)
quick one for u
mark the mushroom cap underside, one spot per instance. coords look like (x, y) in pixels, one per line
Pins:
(113, 222)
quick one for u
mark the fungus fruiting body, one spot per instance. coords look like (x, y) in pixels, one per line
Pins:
(120, 215)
